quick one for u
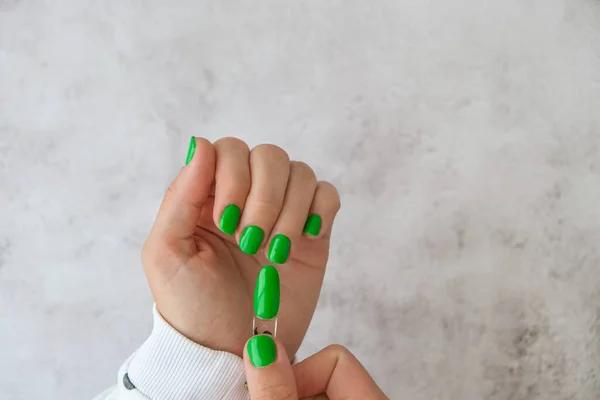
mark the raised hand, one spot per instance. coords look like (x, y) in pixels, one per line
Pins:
(228, 213)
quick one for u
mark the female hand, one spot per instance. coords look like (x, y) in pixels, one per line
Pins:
(202, 259)
(333, 373)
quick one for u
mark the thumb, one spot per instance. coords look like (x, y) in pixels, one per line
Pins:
(268, 370)
(182, 205)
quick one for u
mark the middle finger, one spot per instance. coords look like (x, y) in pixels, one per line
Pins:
(270, 170)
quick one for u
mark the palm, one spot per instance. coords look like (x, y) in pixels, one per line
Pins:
(213, 291)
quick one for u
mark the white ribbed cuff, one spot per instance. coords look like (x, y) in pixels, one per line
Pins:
(169, 366)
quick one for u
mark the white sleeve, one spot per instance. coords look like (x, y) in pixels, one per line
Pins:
(168, 366)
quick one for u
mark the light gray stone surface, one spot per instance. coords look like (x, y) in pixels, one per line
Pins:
(464, 137)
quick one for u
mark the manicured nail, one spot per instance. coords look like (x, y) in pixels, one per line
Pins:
(262, 351)
(230, 219)
(313, 225)
(191, 150)
(266, 293)
(251, 239)
(279, 250)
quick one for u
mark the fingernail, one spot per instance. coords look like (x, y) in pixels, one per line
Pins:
(262, 351)
(230, 219)
(279, 250)
(251, 239)
(191, 150)
(266, 293)
(313, 225)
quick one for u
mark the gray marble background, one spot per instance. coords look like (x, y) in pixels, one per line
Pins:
(463, 135)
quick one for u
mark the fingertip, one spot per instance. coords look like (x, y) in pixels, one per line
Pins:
(200, 150)
(312, 226)
(184, 199)
(263, 350)
(199, 173)
(200, 141)
(324, 209)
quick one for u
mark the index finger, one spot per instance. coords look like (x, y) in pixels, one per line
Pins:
(335, 371)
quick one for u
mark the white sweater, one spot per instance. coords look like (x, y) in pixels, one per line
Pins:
(168, 366)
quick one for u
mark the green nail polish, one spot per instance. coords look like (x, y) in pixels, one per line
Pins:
(230, 219)
(191, 150)
(266, 293)
(279, 250)
(313, 225)
(251, 239)
(262, 351)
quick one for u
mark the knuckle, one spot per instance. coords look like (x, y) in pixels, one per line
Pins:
(338, 350)
(329, 191)
(271, 151)
(303, 169)
(231, 142)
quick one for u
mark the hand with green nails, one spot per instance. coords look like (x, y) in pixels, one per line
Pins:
(229, 212)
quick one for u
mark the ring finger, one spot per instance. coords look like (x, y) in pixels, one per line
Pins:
(292, 218)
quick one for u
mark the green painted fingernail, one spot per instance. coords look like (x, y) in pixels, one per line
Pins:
(230, 219)
(313, 225)
(191, 150)
(279, 250)
(266, 293)
(262, 351)
(251, 239)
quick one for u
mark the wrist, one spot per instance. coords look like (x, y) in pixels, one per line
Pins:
(217, 333)
(169, 365)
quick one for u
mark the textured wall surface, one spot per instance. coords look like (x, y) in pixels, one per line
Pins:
(464, 137)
